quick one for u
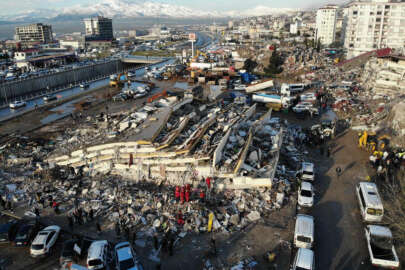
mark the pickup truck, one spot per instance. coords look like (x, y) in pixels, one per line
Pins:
(380, 247)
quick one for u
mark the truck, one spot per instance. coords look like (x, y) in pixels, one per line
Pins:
(380, 247)
(272, 101)
(291, 89)
(259, 86)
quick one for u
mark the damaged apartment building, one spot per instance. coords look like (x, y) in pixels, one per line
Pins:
(385, 75)
(182, 140)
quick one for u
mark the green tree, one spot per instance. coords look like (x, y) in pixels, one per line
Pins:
(250, 65)
(275, 63)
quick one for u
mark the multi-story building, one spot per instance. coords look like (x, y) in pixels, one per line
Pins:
(34, 33)
(98, 28)
(374, 25)
(326, 24)
(296, 25)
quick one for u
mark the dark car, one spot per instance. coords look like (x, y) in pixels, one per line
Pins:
(8, 231)
(26, 233)
(74, 249)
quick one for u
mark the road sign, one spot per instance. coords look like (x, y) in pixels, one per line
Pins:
(192, 37)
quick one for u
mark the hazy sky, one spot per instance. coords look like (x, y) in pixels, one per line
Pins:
(18, 6)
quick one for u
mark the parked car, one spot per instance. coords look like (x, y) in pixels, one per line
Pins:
(74, 249)
(239, 87)
(49, 98)
(120, 97)
(304, 231)
(380, 247)
(306, 195)
(307, 171)
(7, 231)
(26, 233)
(371, 207)
(97, 255)
(84, 85)
(17, 104)
(299, 108)
(304, 260)
(44, 240)
(126, 257)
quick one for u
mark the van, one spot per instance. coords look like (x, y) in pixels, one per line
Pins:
(304, 260)
(371, 207)
(307, 171)
(97, 255)
(304, 231)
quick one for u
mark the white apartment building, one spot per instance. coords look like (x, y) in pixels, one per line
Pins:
(326, 25)
(296, 25)
(374, 25)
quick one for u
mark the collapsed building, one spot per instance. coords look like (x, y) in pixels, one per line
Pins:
(385, 75)
(185, 140)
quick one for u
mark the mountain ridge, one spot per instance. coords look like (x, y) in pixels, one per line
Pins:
(130, 9)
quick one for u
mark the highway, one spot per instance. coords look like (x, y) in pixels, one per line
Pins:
(7, 112)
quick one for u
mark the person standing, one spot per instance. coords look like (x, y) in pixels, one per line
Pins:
(213, 246)
(177, 193)
(182, 195)
(70, 222)
(98, 226)
(338, 171)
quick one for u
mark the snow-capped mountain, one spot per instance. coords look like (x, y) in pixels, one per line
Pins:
(131, 9)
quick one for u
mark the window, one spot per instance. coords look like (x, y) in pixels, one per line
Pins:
(379, 12)
(354, 12)
(363, 203)
(49, 237)
(374, 212)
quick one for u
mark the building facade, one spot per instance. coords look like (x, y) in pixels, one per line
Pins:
(374, 25)
(98, 28)
(34, 33)
(325, 31)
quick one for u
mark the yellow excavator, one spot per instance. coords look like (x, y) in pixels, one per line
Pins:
(116, 80)
(370, 142)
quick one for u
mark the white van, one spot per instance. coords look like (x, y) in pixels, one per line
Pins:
(97, 255)
(304, 231)
(371, 207)
(304, 260)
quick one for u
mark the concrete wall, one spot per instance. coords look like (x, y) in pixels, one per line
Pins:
(20, 88)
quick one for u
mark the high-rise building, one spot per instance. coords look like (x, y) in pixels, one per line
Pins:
(374, 25)
(325, 31)
(98, 28)
(34, 33)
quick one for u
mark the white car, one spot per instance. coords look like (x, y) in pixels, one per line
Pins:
(126, 257)
(299, 108)
(308, 97)
(239, 87)
(306, 195)
(44, 240)
(17, 104)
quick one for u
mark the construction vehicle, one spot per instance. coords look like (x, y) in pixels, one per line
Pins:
(117, 80)
(372, 143)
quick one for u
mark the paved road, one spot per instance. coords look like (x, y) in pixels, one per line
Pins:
(339, 234)
(6, 112)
